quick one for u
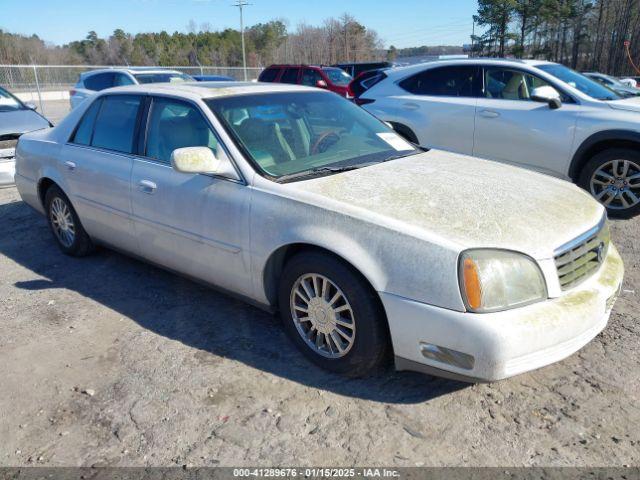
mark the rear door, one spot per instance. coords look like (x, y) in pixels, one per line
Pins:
(192, 223)
(440, 105)
(97, 164)
(512, 128)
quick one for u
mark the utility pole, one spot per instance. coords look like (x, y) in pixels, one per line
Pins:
(473, 36)
(240, 4)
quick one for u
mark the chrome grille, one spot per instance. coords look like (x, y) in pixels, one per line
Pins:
(579, 259)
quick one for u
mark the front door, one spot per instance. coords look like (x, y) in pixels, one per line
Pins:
(192, 223)
(512, 128)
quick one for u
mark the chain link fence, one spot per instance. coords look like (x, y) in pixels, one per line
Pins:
(48, 85)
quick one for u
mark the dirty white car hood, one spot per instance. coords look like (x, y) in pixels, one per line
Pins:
(461, 201)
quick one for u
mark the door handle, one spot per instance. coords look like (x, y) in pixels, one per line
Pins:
(70, 165)
(147, 186)
(489, 114)
(411, 106)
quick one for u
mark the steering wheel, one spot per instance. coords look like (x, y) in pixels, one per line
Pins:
(324, 140)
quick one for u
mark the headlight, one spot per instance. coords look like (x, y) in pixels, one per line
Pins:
(493, 280)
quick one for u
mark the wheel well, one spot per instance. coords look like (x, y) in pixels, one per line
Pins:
(278, 259)
(43, 186)
(406, 132)
(580, 161)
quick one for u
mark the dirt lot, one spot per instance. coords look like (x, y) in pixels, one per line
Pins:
(55, 110)
(108, 361)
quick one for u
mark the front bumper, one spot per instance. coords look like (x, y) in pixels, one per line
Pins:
(493, 346)
(7, 171)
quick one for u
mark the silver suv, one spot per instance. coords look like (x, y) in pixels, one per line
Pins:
(534, 114)
(98, 80)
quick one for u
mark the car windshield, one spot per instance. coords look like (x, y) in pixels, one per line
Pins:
(8, 102)
(162, 77)
(613, 80)
(294, 134)
(338, 76)
(580, 82)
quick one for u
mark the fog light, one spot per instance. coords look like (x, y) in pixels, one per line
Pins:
(448, 356)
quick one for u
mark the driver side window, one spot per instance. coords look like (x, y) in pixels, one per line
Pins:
(507, 84)
(175, 124)
(310, 77)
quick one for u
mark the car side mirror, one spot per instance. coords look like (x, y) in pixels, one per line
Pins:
(31, 106)
(321, 84)
(547, 94)
(202, 160)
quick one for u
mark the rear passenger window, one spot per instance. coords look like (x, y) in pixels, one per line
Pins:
(462, 81)
(290, 75)
(175, 124)
(85, 128)
(269, 75)
(116, 122)
(120, 79)
(99, 81)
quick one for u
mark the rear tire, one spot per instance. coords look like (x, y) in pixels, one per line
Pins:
(608, 176)
(65, 225)
(345, 330)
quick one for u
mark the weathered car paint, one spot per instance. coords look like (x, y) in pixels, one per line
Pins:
(402, 225)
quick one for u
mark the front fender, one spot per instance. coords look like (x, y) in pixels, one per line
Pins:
(391, 261)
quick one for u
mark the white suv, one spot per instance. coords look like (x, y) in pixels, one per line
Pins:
(98, 80)
(534, 114)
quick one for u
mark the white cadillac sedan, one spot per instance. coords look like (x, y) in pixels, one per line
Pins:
(299, 201)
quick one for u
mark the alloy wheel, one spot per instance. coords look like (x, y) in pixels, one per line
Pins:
(322, 315)
(62, 222)
(616, 184)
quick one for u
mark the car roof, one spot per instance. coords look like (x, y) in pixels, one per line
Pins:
(409, 69)
(131, 70)
(210, 89)
(299, 65)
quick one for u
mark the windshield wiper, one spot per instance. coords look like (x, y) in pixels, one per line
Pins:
(328, 170)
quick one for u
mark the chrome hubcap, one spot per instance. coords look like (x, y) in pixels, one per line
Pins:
(62, 222)
(322, 315)
(616, 184)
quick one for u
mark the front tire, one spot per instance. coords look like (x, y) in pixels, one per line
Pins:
(613, 178)
(332, 315)
(65, 225)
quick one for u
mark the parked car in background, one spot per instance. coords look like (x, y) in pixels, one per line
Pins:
(213, 78)
(364, 81)
(298, 200)
(16, 119)
(98, 80)
(534, 114)
(355, 69)
(614, 84)
(328, 78)
(629, 81)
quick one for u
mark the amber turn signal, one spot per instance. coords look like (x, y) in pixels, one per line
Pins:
(472, 288)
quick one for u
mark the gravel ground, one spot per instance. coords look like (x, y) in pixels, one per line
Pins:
(108, 361)
(55, 110)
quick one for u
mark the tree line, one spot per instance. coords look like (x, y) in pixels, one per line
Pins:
(582, 34)
(342, 39)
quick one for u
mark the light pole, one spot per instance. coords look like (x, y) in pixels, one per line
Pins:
(240, 4)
